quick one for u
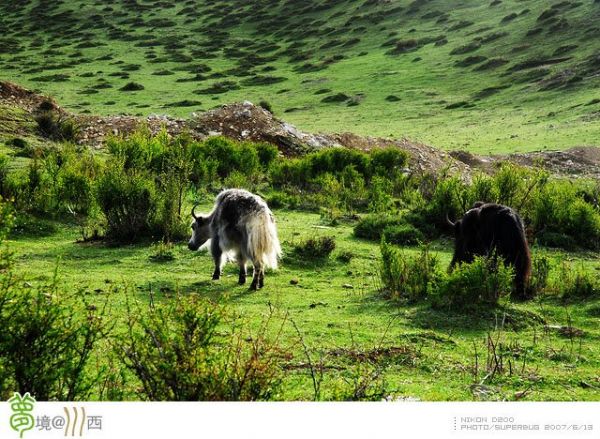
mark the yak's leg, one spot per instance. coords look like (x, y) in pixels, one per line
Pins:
(256, 277)
(243, 270)
(217, 254)
(261, 278)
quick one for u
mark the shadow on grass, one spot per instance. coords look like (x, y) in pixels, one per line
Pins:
(475, 319)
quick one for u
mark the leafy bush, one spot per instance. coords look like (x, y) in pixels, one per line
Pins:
(372, 226)
(573, 284)
(7, 219)
(482, 282)
(178, 352)
(540, 272)
(280, 199)
(226, 156)
(403, 234)
(448, 199)
(380, 194)
(47, 340)
(3, 173)
(56, 126)
(387, 161)
(128, 201)
(132, 86)
(408, 277)
(560, 211)
(266, 105)
(315, 248)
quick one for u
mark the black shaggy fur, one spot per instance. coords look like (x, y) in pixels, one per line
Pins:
(493, 228)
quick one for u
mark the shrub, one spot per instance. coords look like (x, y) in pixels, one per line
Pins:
(76, 192)
(3, 173)
(564, 217)
(132, 86)
(406, 277)
(482, 282)
(56, 126)
(372, 226)
(574, 284)
(386, 161)
(266, 105)
(403, 234)
(228, 156)
(315, 248)
(449, 199)
(7, 219)
(288, 200)
(17, 142)
(267, 153)
(345, 257)
(47, 340)
(538, 281)
(178, 352)
(128, 202)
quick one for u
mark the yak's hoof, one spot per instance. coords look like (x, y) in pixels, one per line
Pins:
(254, 287)
(216, 277)
(242, 281)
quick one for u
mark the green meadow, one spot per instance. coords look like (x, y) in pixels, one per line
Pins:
(350, 330)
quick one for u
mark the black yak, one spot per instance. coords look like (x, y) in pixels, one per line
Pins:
(488, 229)
(242, 226)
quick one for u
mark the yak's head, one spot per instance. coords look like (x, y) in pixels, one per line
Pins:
(200, 231)
(466, 235)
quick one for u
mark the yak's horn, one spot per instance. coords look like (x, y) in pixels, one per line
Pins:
(193, 213)
(450, 223)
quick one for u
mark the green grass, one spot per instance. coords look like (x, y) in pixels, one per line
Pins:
(510, 107)
(435, 354)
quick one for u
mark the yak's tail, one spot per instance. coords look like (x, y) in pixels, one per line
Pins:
(263, 243)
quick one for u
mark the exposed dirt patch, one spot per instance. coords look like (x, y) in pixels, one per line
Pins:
(13, 94)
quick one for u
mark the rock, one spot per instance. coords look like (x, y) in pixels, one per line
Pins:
(294, 281)
(348, 286)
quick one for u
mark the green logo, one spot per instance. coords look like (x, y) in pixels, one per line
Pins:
(21, 420)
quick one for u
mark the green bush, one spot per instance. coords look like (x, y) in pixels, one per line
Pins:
(482, 282)
(408, 277)
(7, 219)
(540, 272)
(564, 218)
(56, 126)
(315, 248)
(47, 340)
(267, 154)
(449, 199)
(128, 201)
(403, 234)
(380, 193)
(387, 161)
(278, 199)
(178, 352)
(4, 161)
(228, 156)
(266, 105)
(574, 284)
(372, 226)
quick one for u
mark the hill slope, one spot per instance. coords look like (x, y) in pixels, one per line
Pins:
(487, 77)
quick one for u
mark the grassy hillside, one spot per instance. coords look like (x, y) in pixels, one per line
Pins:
(488, 77)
